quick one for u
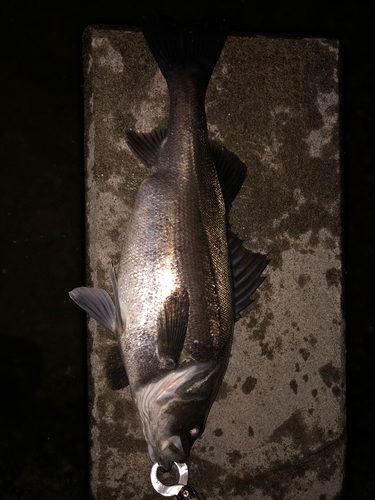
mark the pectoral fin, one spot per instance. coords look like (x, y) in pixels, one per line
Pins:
(247, 268)
(172, 324)
(98, 304)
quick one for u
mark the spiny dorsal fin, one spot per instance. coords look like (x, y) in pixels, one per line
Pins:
(247, 268)
(145, 146)
(230, 171)
(172, 324)
(115, 370)
(98, 304)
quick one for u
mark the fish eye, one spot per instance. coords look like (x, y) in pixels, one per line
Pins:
(195, 432)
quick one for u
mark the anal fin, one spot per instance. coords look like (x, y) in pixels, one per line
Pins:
(172, 325)
(145, 146)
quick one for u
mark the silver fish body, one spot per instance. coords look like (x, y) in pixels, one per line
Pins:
(177, 241)
(178, 290)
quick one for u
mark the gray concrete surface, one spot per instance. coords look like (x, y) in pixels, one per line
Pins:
(277, 429)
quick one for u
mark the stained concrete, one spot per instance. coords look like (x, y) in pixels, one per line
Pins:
(277, 429)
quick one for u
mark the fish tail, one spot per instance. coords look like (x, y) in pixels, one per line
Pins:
(195, 48)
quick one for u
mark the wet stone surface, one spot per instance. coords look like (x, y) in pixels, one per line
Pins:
(276, 429)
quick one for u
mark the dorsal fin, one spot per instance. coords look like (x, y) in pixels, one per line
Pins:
(230, 171)
(247, 268)
(172, 324)
(145, 146)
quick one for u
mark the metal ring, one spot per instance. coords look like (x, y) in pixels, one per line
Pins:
(169, 491)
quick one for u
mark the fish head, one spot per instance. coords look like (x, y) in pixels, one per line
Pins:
(172, 435)
(174, 411)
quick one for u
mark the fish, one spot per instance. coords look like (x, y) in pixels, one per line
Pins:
(184, 277)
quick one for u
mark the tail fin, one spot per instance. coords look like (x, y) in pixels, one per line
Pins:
(198, 45)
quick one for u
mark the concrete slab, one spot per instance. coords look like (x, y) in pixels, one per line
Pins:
(277, 429)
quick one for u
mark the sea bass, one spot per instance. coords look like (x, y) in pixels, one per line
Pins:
(183, 277)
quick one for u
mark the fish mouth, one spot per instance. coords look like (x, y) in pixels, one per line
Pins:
(174, 454)
(165, 465)
(171, 451)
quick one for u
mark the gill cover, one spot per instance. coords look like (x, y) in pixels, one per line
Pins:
(158, 403)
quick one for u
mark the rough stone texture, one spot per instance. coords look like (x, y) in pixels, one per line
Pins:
(277, 429)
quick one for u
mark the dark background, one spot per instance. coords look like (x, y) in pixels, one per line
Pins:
(43, 440)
